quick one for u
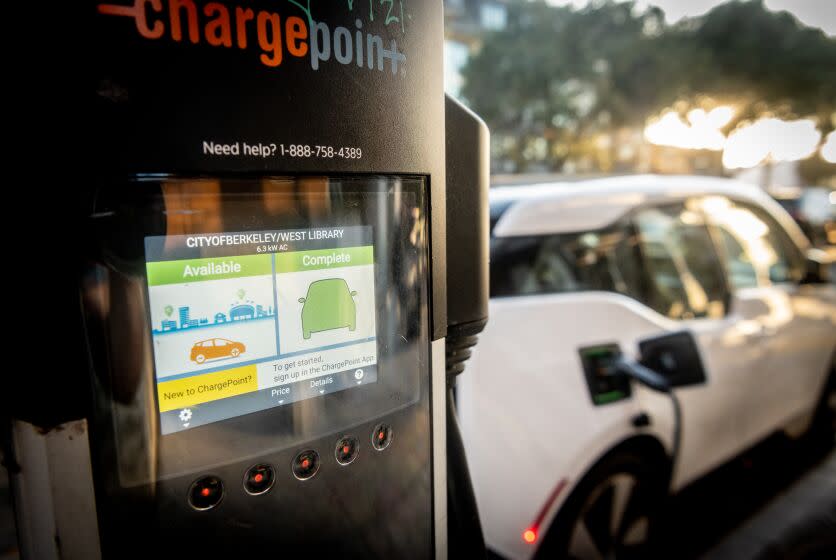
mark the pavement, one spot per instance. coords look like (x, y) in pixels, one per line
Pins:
(777, 500)
(800, 522)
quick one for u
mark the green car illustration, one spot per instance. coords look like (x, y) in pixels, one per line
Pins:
(329, 305)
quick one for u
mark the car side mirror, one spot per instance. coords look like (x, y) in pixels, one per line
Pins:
(819, 264)
(301, 300)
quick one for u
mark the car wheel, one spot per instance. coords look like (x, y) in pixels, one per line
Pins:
(235, 352)
(613, 513)
(200, 358)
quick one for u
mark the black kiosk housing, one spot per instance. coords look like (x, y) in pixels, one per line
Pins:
(261, 257)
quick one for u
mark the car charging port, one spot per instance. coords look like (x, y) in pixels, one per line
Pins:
(605, 382)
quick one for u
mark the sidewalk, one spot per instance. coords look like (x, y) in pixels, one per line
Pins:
(800, 522)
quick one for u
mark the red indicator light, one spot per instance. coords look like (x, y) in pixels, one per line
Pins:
(380, 435)
(529, 536)
(258, 478)
(346, 449)
(204, 492)
(305, 463)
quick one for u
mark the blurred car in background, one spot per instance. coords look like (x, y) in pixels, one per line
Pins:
(814, 209)
(583, 469)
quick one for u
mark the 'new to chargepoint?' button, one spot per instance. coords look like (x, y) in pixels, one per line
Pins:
(198, 389)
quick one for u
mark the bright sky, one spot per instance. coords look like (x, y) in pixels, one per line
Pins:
(815, 13)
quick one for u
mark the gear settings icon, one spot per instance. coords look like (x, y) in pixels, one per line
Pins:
(186, 415)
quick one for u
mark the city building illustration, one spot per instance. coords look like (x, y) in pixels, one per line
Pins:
(238, 312)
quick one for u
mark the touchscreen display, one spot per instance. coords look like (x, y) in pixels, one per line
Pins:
(246, 321)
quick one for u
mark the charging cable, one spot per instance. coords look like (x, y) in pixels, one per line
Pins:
(660, 384)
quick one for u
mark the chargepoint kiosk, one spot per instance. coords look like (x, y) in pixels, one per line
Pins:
(262, 268)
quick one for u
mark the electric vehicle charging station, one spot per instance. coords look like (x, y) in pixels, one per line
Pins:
(279, 205)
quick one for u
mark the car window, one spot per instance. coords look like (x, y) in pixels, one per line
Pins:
(208, 344)
(684, 276)
(789, 265)
(740, 269)
(756, 247)
(593, 260)
(220, 342)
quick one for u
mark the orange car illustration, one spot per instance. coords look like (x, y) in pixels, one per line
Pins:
(214, 348)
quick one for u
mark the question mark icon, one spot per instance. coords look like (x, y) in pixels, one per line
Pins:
(273, 149)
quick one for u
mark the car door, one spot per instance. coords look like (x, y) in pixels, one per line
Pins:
(685, 282)
(762, 277)
(797, 332)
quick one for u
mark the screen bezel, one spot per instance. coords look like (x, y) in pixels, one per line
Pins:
(182, 452)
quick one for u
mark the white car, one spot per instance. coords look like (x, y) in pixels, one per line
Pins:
(564, 467)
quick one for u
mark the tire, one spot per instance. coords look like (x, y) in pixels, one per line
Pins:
(823, 428)
(235, 352)
(200, 358)
(613, 512)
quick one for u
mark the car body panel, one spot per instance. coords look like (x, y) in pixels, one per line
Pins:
(794, 337)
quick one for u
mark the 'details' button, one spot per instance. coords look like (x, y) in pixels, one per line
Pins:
(381, 436)
(306, 464)
(206, 492)
(259, 479)
(347, 449)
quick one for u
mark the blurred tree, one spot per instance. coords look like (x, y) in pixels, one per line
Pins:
(555, 76)
(769, 61)
(554, 73)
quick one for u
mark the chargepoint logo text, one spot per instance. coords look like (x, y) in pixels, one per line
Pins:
(275, 35)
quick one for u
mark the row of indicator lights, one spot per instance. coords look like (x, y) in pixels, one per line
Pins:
(207, 492)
